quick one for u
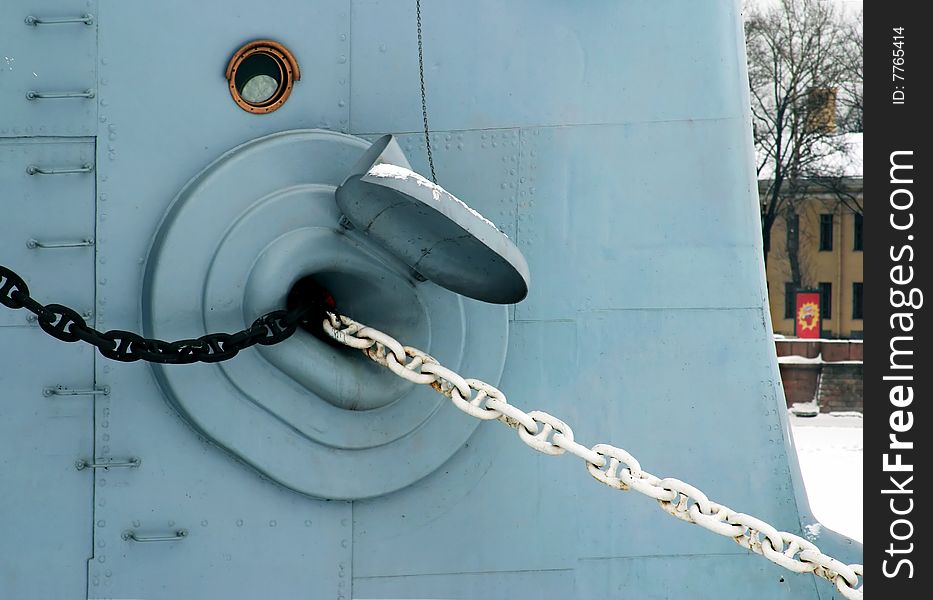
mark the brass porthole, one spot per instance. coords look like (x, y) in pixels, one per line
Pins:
(261, 75)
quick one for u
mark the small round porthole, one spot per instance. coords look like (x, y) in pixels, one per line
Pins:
(261, 75)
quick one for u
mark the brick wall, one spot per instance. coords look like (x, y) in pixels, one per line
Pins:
(841, 388)
(799, 382)
(832, 350)
(838, 373)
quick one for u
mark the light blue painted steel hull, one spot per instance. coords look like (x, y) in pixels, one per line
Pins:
(611, 141)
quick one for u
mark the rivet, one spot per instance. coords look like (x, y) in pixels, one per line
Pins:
(382, 47)
(101, 558)
(108, 573)
(135, 523)
(101, 523)
(344, 522)
(342, 59)
(204, 523)
(102, 482)
(101, 544)
(344, 543)
(272, 523)
(239, 522)
(307, 522)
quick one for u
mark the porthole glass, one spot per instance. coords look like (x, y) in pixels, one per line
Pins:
(261, 75)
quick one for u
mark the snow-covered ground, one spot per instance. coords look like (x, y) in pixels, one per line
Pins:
(830, 452)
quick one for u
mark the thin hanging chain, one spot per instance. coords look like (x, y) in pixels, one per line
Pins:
(67, 325)
(424, 101)
(609, 465)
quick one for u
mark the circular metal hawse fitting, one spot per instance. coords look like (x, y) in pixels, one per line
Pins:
(306, 413)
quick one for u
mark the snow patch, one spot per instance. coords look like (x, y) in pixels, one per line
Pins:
(812, 531)
(830, 453)
(794, 359)
(386, 170)
(846, 413)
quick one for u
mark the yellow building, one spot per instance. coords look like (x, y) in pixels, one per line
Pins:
(829, 257)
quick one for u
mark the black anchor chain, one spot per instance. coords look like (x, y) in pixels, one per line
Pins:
(67, 325)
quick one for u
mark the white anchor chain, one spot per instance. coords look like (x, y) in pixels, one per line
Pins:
(610, 465)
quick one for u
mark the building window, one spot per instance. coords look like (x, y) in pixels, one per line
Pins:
(857, 233)
(789, 300)
(857, 300)
(826, 232)
(826, 300)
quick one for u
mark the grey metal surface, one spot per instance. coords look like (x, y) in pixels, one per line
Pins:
(433, 232)
(48, 59)
(315, 412)
(609, 141)
(28, 202)
(45, 502)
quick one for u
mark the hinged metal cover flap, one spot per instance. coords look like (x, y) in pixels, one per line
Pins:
(431, 230)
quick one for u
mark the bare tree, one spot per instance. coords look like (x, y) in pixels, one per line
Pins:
(800, 56)
(851, 89)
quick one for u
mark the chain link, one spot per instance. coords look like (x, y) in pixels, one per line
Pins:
(67, 325)
(610, 465)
